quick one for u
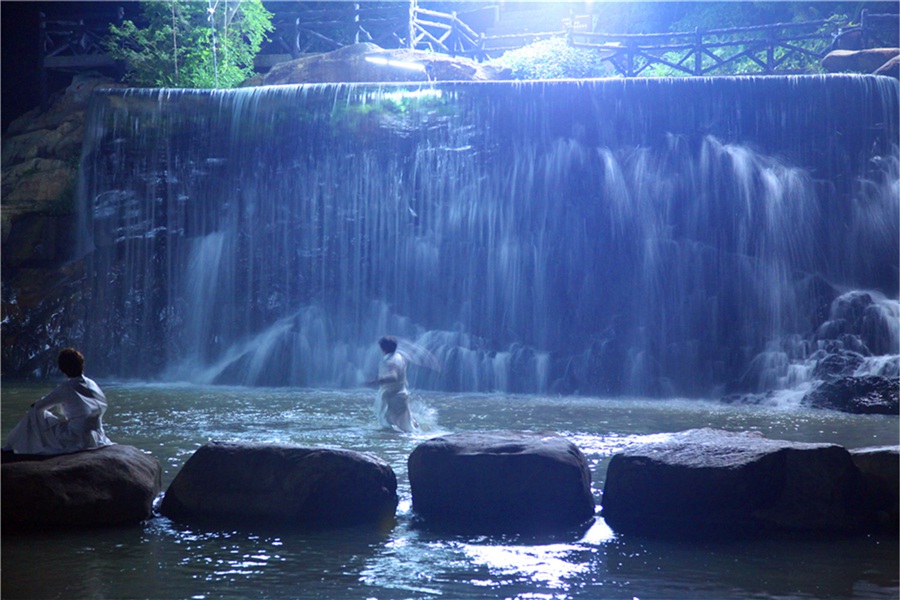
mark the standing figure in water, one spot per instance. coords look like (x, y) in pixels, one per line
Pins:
(82, 404)
(393, 405)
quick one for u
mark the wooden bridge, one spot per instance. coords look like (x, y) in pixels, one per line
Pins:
(74, 43)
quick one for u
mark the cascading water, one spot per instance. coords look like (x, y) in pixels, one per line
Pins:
(677, 237)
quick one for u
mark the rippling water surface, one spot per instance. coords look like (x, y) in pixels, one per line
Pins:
(162, 559)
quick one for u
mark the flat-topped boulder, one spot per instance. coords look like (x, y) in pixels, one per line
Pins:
(109, 486)
(501, 481)
(712, 483)
(282, 485)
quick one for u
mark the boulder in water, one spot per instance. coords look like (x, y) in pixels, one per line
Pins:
(285, 485)
(510, 482)
(880, 466)
(866, 395)
(707, 483)
(113, 485)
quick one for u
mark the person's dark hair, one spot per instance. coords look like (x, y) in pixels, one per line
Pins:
(71, 362)
(388, 344)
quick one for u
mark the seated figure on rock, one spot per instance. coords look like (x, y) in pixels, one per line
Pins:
(81, 404)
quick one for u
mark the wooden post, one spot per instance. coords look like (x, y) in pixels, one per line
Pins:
(121, 67)
(698, 52)
(770, 50)
(629, 58)
(454, 35)
(411, 42)
(864, 29)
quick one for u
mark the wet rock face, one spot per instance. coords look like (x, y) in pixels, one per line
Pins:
(109, 486)
(501, 482)
(282, 485)
(41, 151)
(867, 395)
(708, 483)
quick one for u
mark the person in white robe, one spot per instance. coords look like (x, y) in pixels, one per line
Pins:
(392, 406)
(79, 425)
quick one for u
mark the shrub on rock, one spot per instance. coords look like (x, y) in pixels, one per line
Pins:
(501, 482)
(285, 485)
(711, 483)
(113, 485)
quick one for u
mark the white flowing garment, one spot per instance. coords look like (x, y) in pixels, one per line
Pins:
(82, 404)
(393, 406)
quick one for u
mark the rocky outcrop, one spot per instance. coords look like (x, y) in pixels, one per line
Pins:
(40, 155)
(711, 483)
(42, 285)
(889, 69)
(288, 486)
(113, 485)
(858, 61)
(866, 395)
(500, 482)
(370, 63)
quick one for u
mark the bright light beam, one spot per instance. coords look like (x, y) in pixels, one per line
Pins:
(400, 64)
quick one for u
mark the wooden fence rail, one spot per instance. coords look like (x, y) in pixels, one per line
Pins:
(763, 49)
(75, 43)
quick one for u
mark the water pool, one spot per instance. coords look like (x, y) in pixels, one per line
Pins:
(162, 559)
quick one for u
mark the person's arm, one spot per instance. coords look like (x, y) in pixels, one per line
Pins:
(391, 375)
(389, 378)
(50, 400)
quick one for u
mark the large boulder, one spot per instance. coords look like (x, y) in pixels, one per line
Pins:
(712, 483)
(890, 69)
(880, 466)
(858, 61)
(370, 63)
(501, 482)
(282, 485)
(866, 395)
(113, 485)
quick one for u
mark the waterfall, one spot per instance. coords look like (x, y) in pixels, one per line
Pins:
(653, 236)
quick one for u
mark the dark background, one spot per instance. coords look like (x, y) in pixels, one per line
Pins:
(20, 80)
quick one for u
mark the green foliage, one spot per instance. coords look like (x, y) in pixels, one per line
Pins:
(553, 58)
(188, 43)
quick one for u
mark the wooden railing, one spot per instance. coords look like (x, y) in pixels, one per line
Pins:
(323, 27)
(74, 43)
(765, 49)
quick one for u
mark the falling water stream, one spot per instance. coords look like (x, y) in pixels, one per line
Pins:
(653, 237)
